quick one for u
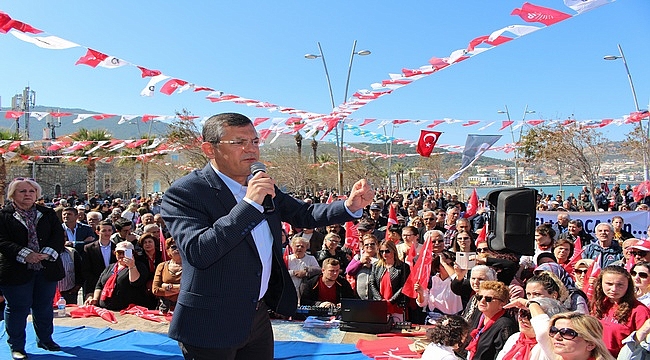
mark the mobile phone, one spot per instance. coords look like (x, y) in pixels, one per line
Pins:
(463, 261)
(128, 253)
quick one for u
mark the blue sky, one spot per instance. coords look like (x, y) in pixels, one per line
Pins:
(256, 49)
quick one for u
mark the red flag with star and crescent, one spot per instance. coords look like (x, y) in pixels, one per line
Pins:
(427, 141)
(472, 205)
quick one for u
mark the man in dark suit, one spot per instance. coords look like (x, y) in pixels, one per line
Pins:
(77, 234)
(97, 256)
(233, 270)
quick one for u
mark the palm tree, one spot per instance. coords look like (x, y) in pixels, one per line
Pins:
(91, 136)
(6, 134)
(314, 147)
(298, 138)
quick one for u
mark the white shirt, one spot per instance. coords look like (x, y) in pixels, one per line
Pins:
(106, 252)
(261, 233)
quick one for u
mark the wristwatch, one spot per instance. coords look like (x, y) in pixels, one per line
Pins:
(531, 302)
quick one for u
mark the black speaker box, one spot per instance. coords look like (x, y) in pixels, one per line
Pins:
(512, 220)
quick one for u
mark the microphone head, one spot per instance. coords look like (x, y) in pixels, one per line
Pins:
(257, 167)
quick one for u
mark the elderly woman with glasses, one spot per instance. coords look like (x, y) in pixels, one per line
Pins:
(167, 279)
(494, 326)
(387, 278)
(31, 240)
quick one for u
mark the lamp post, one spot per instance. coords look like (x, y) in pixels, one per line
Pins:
(339, 137)
(644, 138)
(512, 133)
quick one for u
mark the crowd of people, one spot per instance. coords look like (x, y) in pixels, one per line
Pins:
(503, 307)
(99, 252)
(223, 218)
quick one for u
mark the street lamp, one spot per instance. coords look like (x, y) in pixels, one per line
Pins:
(644, 139)
(339, 138)
(526, 111)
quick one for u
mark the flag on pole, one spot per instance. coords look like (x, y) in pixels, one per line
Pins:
(472, 205)
(421, 271)
(427, 142)
(592, 272)
(352, 237)
(475, 146)
(411, 254)
(163, 244)
(287, 251)
(392, 220)
(577, 255)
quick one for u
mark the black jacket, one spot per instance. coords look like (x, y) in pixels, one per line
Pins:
(310, 291)
(13, 238)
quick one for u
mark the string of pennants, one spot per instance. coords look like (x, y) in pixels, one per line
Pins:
(310, 121)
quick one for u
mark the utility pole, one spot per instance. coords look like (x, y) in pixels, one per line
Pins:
(24, 102)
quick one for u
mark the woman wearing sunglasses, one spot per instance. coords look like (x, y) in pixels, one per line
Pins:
(494, 326)
(614, 303)
(167, 279)
(580, 271)
(523, 344)
(438, 299)
(641, 275)
(387, 278)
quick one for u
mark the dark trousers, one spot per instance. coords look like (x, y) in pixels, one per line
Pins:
(259, 344)
(37, 294)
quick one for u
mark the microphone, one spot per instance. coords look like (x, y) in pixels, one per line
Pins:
(267, 204)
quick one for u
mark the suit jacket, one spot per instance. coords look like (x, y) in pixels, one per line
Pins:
(222, 270)
(93, 265)
(13, 238)
(83, 231)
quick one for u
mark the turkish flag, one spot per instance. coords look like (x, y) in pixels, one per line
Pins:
(505, 124)
(592, 272)
(427, 141)
(472, 205)
(148, 73)
(421, 271)
(171, 86)
(92, 58)
(392, 219)
(534, 13)
(14, 115)
(577, 255)
(286, 254)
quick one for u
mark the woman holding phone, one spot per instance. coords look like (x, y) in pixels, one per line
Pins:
(122, 283)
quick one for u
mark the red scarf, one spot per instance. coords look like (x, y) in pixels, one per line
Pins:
(476, 333)
(107, 291)
(521, 349)
(386, 290)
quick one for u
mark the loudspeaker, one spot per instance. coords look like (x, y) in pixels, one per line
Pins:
(512, 220)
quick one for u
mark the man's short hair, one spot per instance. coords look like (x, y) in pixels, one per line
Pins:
(70, 208)
(214, 127)
(331, 261)
(94, 214)
(122, 223)
(576, 222)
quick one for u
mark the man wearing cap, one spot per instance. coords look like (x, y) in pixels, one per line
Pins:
(606, 251)
(375, 216)
(640, 249)
(233, 271)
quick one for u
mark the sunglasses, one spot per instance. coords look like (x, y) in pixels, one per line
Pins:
(481, 250)
(369, 245)
(384, 251)
(524, 314)
(580, 272)
(438, 241)
(639, 253)
(565, 333)
(642, 275)
(487, 298)
(427, 219)
(173, 247)
(464, 238)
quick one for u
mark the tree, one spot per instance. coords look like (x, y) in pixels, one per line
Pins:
(6, 134)
(184, 135)
(298, 138)
(90, 138)
(579, 148)
(314, 148)
(636, 143)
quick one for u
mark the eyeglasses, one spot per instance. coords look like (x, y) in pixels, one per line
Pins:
(642, 275)
(239, 142)
(487, 298)
(438, 241)
(524, 314)
(369, 245)
(384, 251)
(565, 333)
(481, 250)
(408, 234)
(639, 253)
(580, 272)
